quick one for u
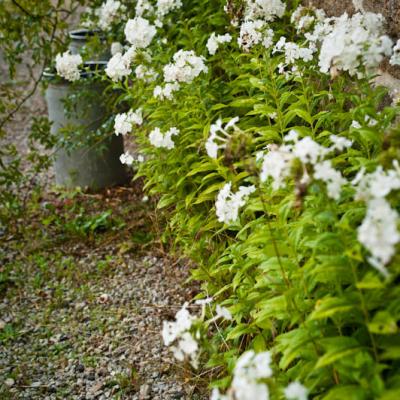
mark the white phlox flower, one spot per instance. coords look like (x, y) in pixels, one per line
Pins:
(146, 74)
(228, 203)
(178, 331)
(142, 7)
(186, 66)
(139, 32)
(215, 40)
(164, 7)
(378, 233)
(163, 140)
(333, 178)
(124, 122)
(166, 92)
(303, 18)
(109, 12)
(116, 47)
(296, 391)
(126, 158)
(268, 10)
(253, 33)
(219, 136)
(293, 52)
(350, 43)
(67, 66)
(119, 65)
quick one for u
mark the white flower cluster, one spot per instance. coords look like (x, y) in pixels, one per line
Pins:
(249, 370)
(349, 43)
(119, 65)
(277, 162)
(178, 332)
(186, 66)
(166, 6)
(146, 74)
(303, 18)
(109, 12)
(123, 122)
(166, 92)
(253, 32)
(128, 159)
(215, 141)
(378, 232)
(228, 203)
(139, 32)
(143, 7)
(267, 10)
(163, 140)
(67, 66)
(293, 51)
(215, 40)
(296, 391)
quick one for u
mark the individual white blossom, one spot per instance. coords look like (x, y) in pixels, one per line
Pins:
(228, 203)
(215, 40)
(163, 7)
(186, 66)
(219, 136)
(109, 12)
(67, 66)
(267, 10)
(123, 122)
(163, 140)
(378, 233)
(139, 32)
(253, 33)
(166, 92)
(296, 391)
(395, 59)
(126, 158)
(145, 74)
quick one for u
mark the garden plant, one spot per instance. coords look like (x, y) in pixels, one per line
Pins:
(273, 155)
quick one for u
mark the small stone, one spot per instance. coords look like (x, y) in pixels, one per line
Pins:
(9, 382)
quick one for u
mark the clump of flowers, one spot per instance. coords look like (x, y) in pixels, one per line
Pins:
(267, 10)
(139, 32)
(249, 370)
(178, 332)
(349, 43)
(296, 391)
(145, 73)
(228, 203)
(67, 66)
(253, 33)
(303, 18)
(166, 6)
(215, 40)
(186, 66)
(163, 140)
(109, 12)
(123, 122)
(166, 92)
(119, 65)
(293, 52)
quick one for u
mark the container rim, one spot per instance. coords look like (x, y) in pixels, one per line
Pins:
(82, 34)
